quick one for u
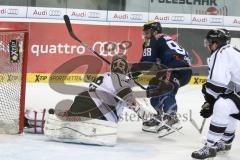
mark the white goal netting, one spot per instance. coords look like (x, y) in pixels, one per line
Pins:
(11, 93)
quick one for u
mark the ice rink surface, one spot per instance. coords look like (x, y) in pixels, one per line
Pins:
(133, 144)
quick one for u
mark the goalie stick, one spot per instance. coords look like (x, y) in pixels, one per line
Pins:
(72, 34)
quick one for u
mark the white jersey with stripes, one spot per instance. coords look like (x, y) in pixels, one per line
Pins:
(224, 70)
(103, 94)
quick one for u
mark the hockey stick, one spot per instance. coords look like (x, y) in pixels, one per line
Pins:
(168, 133)
(203, 123)
(183, 68)
(167, 69)
(164, 124)
(195, 124)
(72, 34)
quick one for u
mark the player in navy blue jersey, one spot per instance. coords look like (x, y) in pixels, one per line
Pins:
(161, 49)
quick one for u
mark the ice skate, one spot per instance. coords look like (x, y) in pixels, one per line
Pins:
(172, 125)
(206, 153)
(223, 147)
(152, 125)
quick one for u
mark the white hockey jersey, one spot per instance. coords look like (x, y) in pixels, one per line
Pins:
(224, 71)
(103, 90)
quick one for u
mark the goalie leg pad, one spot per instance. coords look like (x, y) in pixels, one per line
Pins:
(89, 131)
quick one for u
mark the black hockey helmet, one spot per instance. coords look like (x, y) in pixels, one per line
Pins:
(152, 26)
(219, 36)
(119, 65)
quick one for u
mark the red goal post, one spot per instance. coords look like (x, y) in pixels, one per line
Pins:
(13, 70)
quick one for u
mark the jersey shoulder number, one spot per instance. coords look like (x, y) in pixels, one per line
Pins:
(175, 46)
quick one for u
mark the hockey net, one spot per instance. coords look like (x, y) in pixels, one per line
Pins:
(13, 56)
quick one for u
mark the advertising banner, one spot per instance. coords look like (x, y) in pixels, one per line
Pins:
(121, 16)
(212, 16)
(45, 13)
(50, 45)
(207, 20)
(90, 15)
(52, 50)
(232, 21)
(13, 12)
(171, 18)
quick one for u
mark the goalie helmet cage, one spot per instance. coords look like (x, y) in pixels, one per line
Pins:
(13, 69)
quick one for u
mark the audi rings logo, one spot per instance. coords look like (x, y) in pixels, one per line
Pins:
(93, 15)
(13, 11)
(178, 18)
(54, 13)
(215, 20)
(112, 48)
(136, 17)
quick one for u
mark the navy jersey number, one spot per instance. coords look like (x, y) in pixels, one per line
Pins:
(147, 52)
(174, 46)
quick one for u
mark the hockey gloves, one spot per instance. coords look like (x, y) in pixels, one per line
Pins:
(207, 110)
(208, 97)
(158, 87)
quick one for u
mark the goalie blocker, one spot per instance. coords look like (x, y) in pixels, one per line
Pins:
(94, 114)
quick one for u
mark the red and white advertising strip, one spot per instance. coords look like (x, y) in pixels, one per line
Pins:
(46, 13)
(122, 16)
(171, 18)
(207, 20)
(117, 16)
(89, 15)
(13, 12)
(232, 21)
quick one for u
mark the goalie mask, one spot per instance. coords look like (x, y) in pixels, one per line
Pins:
(119, 65)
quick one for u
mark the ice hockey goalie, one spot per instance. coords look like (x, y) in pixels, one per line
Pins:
(93, 116)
